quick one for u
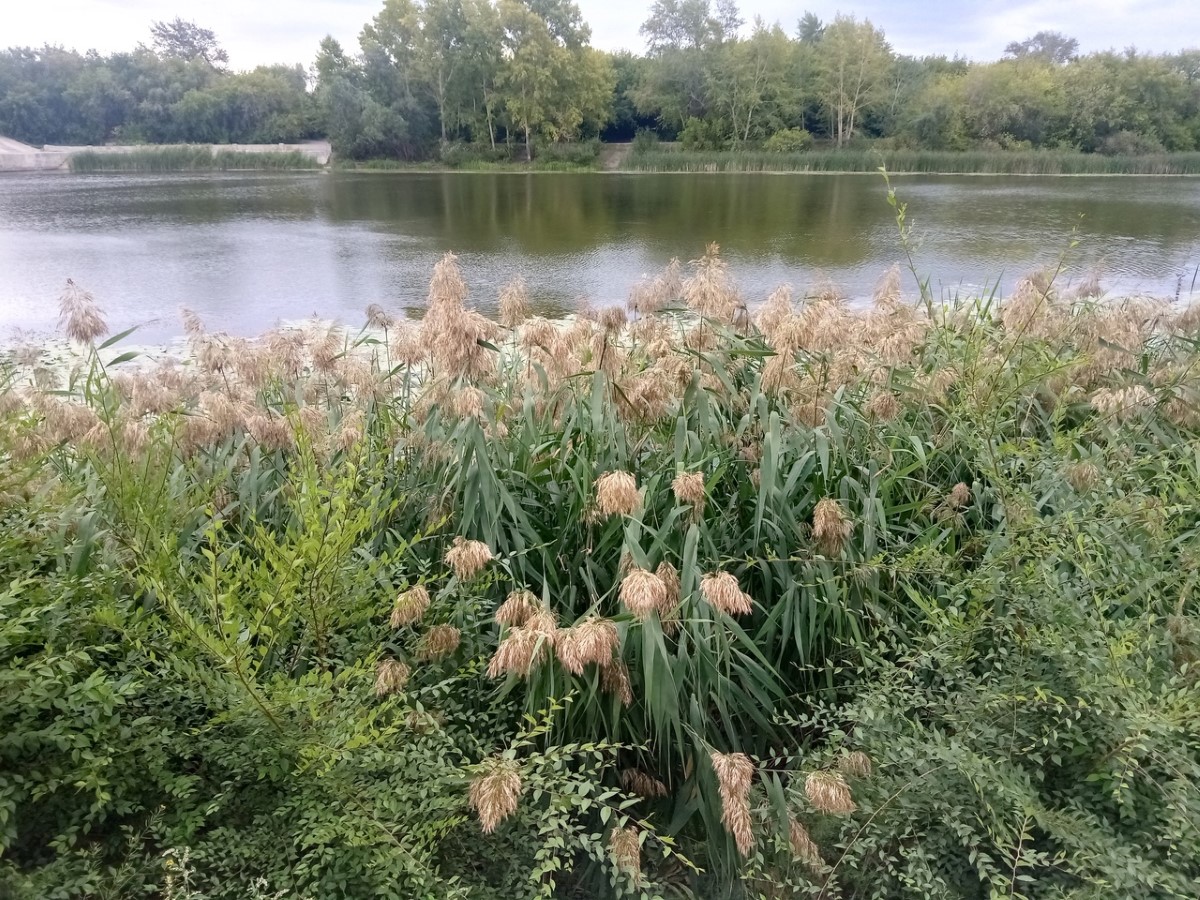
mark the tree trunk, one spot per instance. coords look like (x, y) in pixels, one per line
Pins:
(528, 151)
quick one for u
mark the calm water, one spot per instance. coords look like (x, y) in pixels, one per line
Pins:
(248, 250)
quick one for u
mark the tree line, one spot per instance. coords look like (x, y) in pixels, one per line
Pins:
(509, 76)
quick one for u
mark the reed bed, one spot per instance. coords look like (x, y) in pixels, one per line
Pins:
(797, 599)
(929, 162)
(189, 159)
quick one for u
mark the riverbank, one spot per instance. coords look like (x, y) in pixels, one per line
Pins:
(16, 157)
(913, 162)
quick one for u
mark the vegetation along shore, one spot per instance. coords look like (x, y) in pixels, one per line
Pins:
(480, 83)
(677, 599)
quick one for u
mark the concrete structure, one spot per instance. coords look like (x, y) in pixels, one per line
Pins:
(18, 157)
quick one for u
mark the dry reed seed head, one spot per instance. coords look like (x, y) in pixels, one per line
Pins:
(887, 291)
(78, 315)
(614, 679)
(439, 641)
(521, 650)
(63, 421)
(689, 488)
(643, 593)
(635, 781)
(1123, 404)
(831, 527)
(855, 763)
(591, 640)
(829, 793)
(271, 432)
(734, 773)
(617, 494)
(410, 606)
(775, 312)
(468, 403)
(884, 406)
(959, 496)
(723, 593)
(1082, 476)
(495, 792)
(377, 317)
(804, 848)
(669, 576)
(408, 347)
(391, 675)
(467, 558)
(517, 607)
(193, 325)
(626, 848)
(612, 318)
(514, 303)
(710, 291)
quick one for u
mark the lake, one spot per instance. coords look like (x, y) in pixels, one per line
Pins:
(247, 250)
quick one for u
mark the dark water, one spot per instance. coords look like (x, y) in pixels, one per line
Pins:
(247, 250)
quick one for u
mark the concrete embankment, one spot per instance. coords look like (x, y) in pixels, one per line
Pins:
(18, 157)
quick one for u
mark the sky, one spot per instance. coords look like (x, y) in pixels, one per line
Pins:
(256, 32)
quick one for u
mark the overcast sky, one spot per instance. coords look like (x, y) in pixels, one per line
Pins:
(266, 31)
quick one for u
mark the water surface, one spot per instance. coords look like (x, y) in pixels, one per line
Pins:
(247, 250)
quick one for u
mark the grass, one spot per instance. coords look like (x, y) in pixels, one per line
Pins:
(476, 607)
(189, 159)
(915, 162)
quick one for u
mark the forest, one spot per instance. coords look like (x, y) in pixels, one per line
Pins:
(453, 79)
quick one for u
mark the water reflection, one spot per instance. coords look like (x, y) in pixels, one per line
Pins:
(246, 250)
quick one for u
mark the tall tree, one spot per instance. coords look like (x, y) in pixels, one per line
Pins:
(750, 79)
(853, 64)
(1051, 46)
(188, 41)
(809, 29)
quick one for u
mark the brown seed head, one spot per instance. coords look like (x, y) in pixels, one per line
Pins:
(723, 593)
(1083, 476)
(689, 488)
(883, 406)
(959, 496)
(804, 848)
(79, 316)
(855, 763)
(828, 792)
(617, 494)
(734, 772)
(514, 303)
(495, 791)
(642, 593)
(591, 640)
(439, 641)
(517, 608)
(626, 850)
(467, 558)
(831, 527)
(391, 675)
(377, 317)
(614, 679)
(410, 606)
(521, 650)
(468, 403)
(638, 782)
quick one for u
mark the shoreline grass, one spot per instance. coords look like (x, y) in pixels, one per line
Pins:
(652, 589)
(187, 158)
(911, 162)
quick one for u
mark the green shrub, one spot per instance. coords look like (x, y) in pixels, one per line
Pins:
(702, 134)
(645, 140)
(789, 140)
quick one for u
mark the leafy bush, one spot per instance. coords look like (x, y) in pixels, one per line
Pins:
(457, 155)
(580, 154)
(1129, 143)
(645, 140)
(702, 134)
(789, 140)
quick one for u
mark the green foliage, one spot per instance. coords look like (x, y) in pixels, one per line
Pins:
(189, 159)
(789, 140)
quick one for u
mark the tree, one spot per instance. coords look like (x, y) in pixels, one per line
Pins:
(1052, 46)
(188, 41)
(852, 69)
(809, 29)
(750, 79)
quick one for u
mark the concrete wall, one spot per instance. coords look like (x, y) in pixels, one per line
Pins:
(16, 157)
